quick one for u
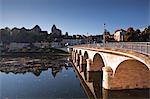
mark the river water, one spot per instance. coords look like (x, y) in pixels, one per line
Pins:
(57, 82)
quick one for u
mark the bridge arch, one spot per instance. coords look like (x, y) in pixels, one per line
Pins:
(98, 62)
(130, 74)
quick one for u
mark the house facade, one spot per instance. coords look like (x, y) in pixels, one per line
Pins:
(119, 35)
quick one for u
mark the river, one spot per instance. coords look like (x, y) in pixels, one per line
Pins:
(56, 82)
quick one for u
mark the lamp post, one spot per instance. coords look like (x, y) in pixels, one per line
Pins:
(87, 38)
(104, 40)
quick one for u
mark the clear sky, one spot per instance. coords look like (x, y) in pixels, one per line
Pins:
(75, 16)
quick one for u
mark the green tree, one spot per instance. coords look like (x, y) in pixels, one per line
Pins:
(146, 34)
(130, 35)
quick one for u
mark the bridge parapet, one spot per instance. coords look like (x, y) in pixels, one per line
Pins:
(141, 47)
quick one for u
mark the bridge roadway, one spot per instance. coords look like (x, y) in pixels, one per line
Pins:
(121, 69)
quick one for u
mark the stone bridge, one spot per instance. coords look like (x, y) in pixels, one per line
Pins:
(122, 69)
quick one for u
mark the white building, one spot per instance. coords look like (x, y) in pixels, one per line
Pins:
(119, 35)
(71, 41)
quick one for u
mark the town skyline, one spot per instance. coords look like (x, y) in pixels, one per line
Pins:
(75, 17)
(64, 32)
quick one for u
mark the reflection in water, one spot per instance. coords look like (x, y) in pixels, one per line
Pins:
(37, 72)
(85, 71)
(97, 83)
(35, 66)
(59, 81)
(100, 93)
(96, 79)
(47, 83)
(55, 70)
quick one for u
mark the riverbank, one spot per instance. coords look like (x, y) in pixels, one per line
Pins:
(34, 52)
(47, 55)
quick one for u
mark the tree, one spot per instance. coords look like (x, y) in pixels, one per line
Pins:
(5, 35)
(136, 35)
(130, 34)
(130, 29)
(146, 34)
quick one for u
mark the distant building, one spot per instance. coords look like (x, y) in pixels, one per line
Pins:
(56, 44)
(55, 33)
(15, 31)
(119, 35)
(36, 29)
(22, 35)
(106, 36)
(111, 38)
(95, 39)
(71, 41)
(1, 46)
(13, 45)
(43, 33)
(41, 44)
(98, 38)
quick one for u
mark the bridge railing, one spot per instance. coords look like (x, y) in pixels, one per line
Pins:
(142, 47)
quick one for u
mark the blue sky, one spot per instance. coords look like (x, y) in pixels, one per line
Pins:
(75, 16)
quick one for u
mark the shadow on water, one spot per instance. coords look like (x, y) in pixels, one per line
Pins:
(96, 79)
(100, 93)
